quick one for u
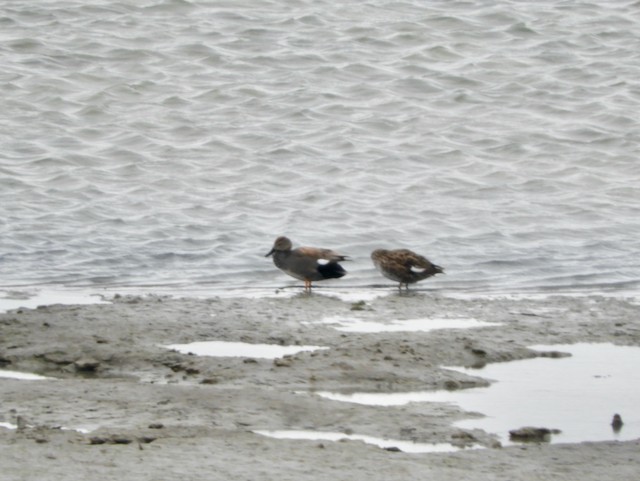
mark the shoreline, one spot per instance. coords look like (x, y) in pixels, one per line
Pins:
(32, 296)
(151, 411)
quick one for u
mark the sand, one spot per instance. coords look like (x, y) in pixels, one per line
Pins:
(123, 406)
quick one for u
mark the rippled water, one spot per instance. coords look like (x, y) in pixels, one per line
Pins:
(170, 141)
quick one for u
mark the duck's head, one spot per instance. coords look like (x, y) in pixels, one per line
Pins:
(282, 243)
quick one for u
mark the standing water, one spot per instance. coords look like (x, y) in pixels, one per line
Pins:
(575, 397)
(167, 143)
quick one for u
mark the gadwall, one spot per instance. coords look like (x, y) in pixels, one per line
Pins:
(306, 263)
(404, 266)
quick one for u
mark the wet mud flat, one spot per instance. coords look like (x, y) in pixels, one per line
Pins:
(124, 405)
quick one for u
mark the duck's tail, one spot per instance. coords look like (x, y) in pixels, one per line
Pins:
(332, 270)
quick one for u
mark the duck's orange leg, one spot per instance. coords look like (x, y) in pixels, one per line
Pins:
(307, 285)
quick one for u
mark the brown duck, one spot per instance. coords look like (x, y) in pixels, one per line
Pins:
(404, 266)
(306, 263)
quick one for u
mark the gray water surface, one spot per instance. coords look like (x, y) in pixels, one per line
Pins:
(168, 142)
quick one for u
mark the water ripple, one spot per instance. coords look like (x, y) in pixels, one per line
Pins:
(171, 142)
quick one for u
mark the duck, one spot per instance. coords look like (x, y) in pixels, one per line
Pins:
(308, 264)
(404, 266)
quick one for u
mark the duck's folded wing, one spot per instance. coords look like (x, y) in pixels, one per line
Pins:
(412, 261)
(322, 255)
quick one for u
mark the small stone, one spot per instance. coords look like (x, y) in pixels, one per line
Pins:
(156, 426)
(282, 362)
(97, 440)
(554, 354)
(210, 380)
(532, 434)
(464, 436)
(118, 439)
(451, 385)
(86, 365)
(175, 367)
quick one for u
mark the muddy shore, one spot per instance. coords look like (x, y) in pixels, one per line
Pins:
(123, 406)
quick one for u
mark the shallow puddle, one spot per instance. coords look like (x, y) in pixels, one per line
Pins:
(240, 349)
(381, 399)
(24, 376)
(577, 395)
(408, 325)
(31, 299)
(62, 428)
(404, 446)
